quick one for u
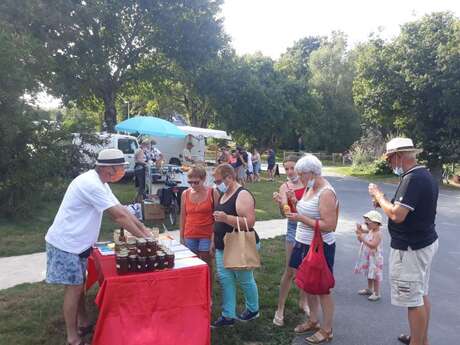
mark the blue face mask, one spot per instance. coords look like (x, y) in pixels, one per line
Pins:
(222, 187)
(294, 178)
(310, 183)
(398, 171)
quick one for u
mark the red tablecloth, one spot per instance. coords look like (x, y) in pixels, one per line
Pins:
(165, 307)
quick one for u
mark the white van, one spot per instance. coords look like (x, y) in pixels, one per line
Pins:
(126, 143)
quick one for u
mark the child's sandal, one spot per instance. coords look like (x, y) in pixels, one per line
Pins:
(365, 292)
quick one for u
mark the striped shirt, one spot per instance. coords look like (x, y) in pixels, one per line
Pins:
(310, 208)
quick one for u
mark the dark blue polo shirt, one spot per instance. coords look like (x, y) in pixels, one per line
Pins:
(418, 191)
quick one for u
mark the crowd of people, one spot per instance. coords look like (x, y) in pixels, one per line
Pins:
(247, 163)
(306, 199)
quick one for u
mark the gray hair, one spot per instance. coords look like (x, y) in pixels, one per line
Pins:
(309, 163)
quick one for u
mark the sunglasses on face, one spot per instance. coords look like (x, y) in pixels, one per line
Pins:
(194, 183)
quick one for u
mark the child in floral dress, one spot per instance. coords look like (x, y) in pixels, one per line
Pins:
(370, 262)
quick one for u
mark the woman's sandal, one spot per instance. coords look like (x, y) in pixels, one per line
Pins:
(404, 338)
(320, 337)
(307, 326)
(278, 320)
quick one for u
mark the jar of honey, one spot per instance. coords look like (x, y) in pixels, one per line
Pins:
(141, 262)
(122, 264)
(151, 246)
(131, 245)
(160, 260)
(132, 263)
(169, 259)
(141, 245)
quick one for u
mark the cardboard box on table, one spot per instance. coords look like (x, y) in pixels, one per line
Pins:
(153, 211)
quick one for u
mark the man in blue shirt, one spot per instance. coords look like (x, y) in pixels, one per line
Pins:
(414, 241)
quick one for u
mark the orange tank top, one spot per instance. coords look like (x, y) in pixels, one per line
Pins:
(199, 220)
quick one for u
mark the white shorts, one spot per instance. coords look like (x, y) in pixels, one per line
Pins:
(410, 275)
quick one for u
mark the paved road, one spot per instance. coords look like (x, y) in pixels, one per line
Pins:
(359, 322)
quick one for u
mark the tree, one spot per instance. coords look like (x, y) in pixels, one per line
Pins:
(420, 73)
(256, 102)
(335, 124)
(98, 46)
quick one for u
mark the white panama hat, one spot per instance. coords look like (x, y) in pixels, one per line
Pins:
(108, 157)
(374, 216)
(400, 145)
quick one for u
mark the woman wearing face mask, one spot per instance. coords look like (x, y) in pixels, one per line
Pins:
(289, 193)
(235, 204)
(318, 203)
(196, 218)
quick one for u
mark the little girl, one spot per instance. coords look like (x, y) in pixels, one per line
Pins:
(370, 262)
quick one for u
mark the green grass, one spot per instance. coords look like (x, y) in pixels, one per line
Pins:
(30, 314)
(361, 173)
(26, 235)
(266, 209)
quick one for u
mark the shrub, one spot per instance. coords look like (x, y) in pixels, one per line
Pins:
(37, 160)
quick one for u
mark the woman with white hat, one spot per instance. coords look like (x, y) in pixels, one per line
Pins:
(370, 261)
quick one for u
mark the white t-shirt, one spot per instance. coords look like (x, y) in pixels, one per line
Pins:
(78, 221)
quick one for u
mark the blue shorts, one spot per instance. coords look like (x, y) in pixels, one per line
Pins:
(291, 230)
(300, 251)
(63, 267)
(198, 244)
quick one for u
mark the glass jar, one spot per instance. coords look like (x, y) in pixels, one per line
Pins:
(169, 258)
(141, 245)
(141, 262)
(131, 245)
(132, 263)
(122, 263)
(150, 262)
(160, 260)
(151, 246)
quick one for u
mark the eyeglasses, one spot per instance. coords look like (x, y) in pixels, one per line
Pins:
(193, 182)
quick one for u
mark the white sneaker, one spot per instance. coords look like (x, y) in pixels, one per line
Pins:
(373, 297)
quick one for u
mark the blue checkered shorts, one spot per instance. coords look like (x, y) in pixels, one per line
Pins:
(63, 267)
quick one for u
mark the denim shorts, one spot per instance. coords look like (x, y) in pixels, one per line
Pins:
(198, 244)
(291, 229)
(300, 252)
(63, 267)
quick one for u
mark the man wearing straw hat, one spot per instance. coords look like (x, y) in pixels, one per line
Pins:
(76, 228)
(414, 241)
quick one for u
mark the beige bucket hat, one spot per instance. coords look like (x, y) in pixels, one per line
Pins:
(374, 216)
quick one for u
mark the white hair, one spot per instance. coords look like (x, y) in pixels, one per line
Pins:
(309, 163)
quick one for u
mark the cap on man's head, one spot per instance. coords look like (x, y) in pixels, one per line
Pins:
(374, 216)
(400, 145)
(108, 157)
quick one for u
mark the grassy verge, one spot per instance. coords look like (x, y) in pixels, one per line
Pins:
(361, 173)
(30, 314)
(25, 236)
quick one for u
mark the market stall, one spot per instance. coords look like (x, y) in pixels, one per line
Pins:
(165, 307)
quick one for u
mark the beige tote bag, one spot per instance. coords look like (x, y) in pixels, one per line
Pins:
(240, 251)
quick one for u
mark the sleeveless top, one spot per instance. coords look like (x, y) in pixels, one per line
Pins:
(220, 228)
(310, 208)
(199, 220)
